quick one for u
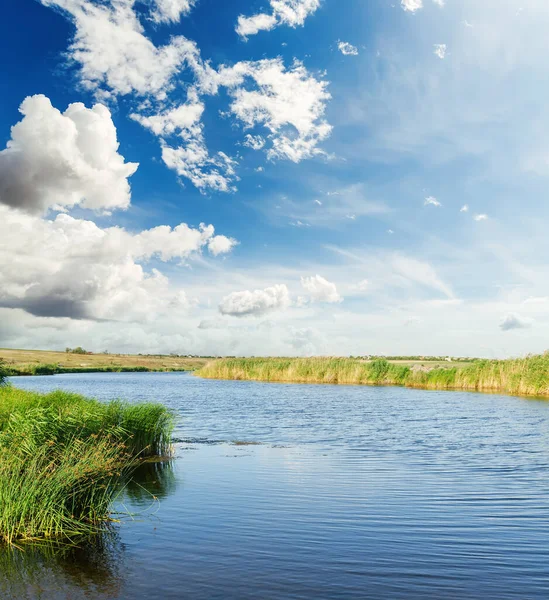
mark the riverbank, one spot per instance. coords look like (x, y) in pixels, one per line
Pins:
(63, 458)
(527, 376)
(40, 362)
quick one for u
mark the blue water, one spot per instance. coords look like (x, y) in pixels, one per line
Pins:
(347, 492)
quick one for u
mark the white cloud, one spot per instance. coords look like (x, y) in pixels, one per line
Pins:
(256, 303)
(170, 11)
(440, 50)
(205, 172)
(63, 160)
(289, 103)
(248, 26)
(221, 244)
(480, 217)
(347, 49)
(412, 5)
(284, 12)
(514, 321)
(188, 156)
(464, 208)
(255, 142)
(431, 201)
(68, 267)
(116, 57)
(321, 290)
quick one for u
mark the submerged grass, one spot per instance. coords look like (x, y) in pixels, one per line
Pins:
(527, 376)
(62, 457)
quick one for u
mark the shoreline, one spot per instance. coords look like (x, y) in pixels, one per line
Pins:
(50, 370)
(17, 363)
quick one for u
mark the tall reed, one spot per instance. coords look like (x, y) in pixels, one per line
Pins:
(62, 456)
(522, 376)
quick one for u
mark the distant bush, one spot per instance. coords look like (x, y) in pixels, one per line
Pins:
(77, 350)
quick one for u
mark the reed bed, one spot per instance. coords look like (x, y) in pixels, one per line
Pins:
(62, 457)
(527, 376)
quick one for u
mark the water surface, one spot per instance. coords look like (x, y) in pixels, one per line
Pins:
(311, 492)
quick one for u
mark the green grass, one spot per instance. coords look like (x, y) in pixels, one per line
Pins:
(56, 369)
(527, 376)
(62, 457)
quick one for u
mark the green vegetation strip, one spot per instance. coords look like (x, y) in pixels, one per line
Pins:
(62, 458)
(54, 369)
(525, 376)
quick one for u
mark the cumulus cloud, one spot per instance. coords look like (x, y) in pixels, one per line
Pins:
(255, 142)
(284, 12)
(480, 217)
(412, 5)
(171, 11)
(514, 321)
(61, 160)
(188, 154)
(248, 26)
(321, 290)
(289, 103)
(256, 303)
(221, 244)
(114, 54)
(440, 50)
(464, 208)
(116, 59)
(432, 201)
(347, 49)
(68, 267)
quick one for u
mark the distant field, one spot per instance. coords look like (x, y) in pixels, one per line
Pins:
(29, 361)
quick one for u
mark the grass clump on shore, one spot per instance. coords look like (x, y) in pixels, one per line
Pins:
(527, 376)
(62, 457)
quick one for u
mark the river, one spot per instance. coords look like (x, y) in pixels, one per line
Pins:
(316, 492)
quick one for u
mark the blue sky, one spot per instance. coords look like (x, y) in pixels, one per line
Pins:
(375, 173)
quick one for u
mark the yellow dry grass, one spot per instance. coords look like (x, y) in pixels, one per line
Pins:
(22, 359)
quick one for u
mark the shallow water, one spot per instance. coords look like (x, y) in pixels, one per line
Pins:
(352, 492)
